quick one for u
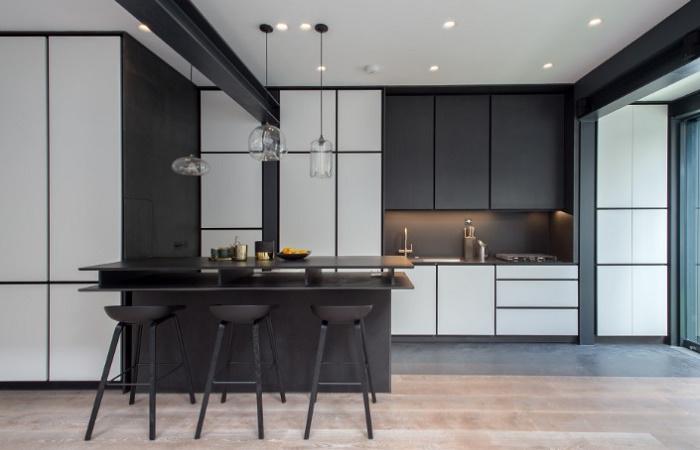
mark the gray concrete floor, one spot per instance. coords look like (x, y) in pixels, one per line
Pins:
(604, 360)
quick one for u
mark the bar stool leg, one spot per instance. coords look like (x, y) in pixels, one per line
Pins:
(184, 359)
(103, 380)
(229, 358)
(258, 377)
(317, 375)
(369, 372)
(275, 358)
(135, 373)
(152, 381)
(363, 375)
(210, 378)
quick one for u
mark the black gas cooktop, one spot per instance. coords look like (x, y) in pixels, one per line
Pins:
(526, 257)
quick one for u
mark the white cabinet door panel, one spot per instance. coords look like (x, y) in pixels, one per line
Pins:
(649, 305)
(413, 311)
(614, 171)
(649, 236)
(649, 158)
(23, 332)
(23, 137)
(307, 207)
(80, 333)
(614, 300)
(553, 322)
(614, 237)
(85, 154)
(359, 204)
(300, 118)
(224, 238)
(466, 300)
(232, 192)
(359, 120)
(549, 293)
(226, 126)
(545, 271)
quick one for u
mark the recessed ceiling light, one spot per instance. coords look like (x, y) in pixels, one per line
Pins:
(305, 26)
(144, 27)
(434, 68)
(449, 24)
(548, 66)
(321, 68)
(282, 26)
(595, 22)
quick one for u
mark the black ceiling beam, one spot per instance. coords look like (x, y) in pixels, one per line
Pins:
(180, 25)
(660, 57)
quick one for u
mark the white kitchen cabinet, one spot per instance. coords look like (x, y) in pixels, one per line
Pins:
(631, 236)
(300, 117)
(359, 120)
(465, 300)
(225, 125)
(85, 154)
(23, 332)
(537, 300)
(232, 192)
(23, 138)
(80, 333)
(359, 204)
(538, 322)
(632, 301)
(307, 207)
(632, 157)
(537, 293)
(413, 312)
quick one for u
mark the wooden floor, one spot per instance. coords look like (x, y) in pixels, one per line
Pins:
(423, 412)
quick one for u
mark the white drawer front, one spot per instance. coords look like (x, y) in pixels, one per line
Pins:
(537, 293)
(537, 271)
(556, 322)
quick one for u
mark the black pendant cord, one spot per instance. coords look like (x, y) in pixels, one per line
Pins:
(266, 35)
(321, 70)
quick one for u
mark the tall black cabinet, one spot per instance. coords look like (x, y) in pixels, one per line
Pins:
(527, 151)
(462, 152)
(408, 154)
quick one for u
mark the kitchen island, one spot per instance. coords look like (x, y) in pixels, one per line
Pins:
(293, 285)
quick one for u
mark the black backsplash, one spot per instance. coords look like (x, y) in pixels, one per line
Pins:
(440, 233)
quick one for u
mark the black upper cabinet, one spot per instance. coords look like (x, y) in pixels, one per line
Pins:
(462, 152)
(527, 151)
(408, 152)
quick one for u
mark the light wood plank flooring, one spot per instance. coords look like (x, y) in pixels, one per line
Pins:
(423, 412)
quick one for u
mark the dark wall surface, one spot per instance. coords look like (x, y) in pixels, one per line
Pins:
(160, 124)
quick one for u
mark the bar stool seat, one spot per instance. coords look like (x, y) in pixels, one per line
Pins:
(129, 316)
(230, 316)
(332, 314)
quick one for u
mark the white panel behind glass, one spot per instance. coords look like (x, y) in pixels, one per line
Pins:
(614, 159)
(359, 204)
(85, 154)
(359, 120)
(23, 145)
(300, 118)
(23, 332)
(225, 124)
(649, 158)
(614, 236)
(614, 300)
(649, 236)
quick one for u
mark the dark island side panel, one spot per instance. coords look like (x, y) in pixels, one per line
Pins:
(296, 330)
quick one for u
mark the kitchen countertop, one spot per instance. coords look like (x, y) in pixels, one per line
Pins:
(454, 260)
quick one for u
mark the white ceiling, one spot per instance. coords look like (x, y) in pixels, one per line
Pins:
(494, 42)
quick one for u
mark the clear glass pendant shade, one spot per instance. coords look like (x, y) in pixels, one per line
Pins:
(190, 165)
(321, 158)
(267, 143)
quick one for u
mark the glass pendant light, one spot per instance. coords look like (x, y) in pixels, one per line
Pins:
(266, 142)
(190, 165)
(321, 156)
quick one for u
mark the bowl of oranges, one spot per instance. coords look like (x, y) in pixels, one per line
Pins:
(293, 254)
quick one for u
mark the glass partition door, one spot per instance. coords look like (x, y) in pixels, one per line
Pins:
(690, 233)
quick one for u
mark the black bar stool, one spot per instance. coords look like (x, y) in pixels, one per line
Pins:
(343, 315)
(238, 315)
(140, 315)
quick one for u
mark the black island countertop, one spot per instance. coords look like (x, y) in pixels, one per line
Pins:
(201, 273)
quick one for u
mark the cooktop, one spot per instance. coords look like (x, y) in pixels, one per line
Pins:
(526, 257)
